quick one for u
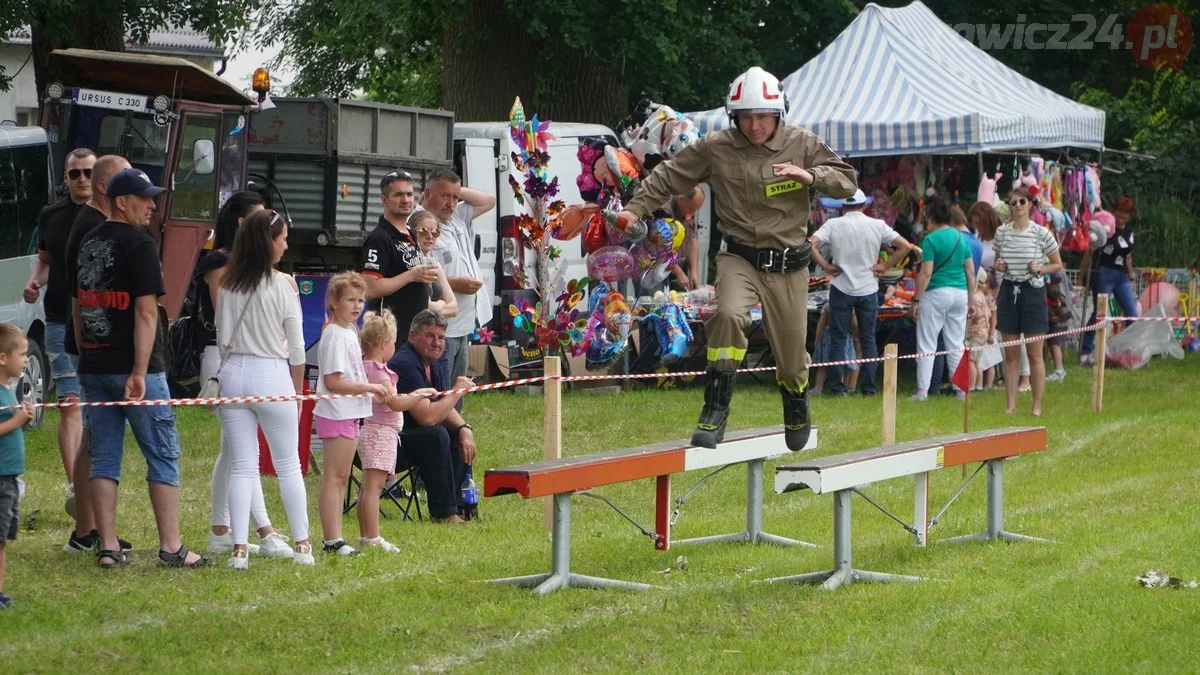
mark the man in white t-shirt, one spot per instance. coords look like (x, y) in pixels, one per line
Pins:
(455, 207)
(854, 242)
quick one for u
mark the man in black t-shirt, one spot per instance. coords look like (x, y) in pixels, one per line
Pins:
(119, 281)
(95, 212)
(49, 270)
(396, 278)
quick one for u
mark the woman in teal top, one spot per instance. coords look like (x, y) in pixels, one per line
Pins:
(945, 286)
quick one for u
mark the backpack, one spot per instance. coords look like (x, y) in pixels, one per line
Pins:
(187, 337)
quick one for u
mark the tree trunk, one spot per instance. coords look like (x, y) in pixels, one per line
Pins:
(486, 62)
(576, 87)
(94, 24)
(483, 70)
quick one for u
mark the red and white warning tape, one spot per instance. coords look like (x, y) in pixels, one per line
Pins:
(233, 400)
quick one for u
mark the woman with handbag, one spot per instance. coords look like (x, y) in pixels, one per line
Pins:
(946, 286)
(209, 272)
(259, 330)
(1021, 247)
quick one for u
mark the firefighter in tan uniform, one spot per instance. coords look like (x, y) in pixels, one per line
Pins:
(761, 170)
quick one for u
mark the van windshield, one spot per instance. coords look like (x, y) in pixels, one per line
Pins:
(103, 129)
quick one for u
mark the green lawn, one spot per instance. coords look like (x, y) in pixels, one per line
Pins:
(1117, 489)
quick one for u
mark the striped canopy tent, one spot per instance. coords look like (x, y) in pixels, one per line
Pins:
(900, 81)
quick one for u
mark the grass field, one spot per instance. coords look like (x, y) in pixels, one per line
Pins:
(1116, 489)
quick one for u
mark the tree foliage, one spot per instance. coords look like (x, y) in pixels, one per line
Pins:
(107, 24)
(681, 51)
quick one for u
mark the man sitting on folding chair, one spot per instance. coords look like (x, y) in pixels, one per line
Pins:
(435, 437)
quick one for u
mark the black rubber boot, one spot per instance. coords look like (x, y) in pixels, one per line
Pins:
(795, 419)
(710, 429)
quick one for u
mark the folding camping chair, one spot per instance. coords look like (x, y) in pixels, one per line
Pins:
(404, 496)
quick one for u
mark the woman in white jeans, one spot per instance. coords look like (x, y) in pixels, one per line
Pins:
(945, 288)
(260, 332)
(209, 272)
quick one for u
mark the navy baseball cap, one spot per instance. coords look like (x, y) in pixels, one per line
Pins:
(132, 182)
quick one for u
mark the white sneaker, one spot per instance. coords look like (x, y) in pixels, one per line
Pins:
(340, 547)
(302, 554)
(239, 560)
(275, 545)
(921, 395)
(69, 505)
(223, 543)
(378, 542)
(1056, 376)
(1087, 360)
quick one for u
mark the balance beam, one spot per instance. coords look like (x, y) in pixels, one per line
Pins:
(843, 474)
(560, 478)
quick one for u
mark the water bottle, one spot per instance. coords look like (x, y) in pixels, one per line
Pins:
(470, 497)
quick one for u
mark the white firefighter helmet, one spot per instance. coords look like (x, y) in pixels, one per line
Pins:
(756, 91)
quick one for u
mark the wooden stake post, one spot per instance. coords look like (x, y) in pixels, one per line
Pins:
(889, 394)
(552, 395)
(1099, 354)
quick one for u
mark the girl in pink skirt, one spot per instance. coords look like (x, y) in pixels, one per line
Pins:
(380, 435)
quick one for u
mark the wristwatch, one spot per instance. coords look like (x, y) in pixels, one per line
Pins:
(464, 425)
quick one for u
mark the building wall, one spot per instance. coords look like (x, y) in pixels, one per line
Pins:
(21, 96)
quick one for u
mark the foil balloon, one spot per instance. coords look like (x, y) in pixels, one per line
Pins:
(656, 275)
(595, 235)
(617, 315)
(621, 165)
(674, 333)
(570, 222)
(611, 264)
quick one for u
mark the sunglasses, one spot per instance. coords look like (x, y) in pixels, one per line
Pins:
(1018, 202)
(433, 232)
(401, 175)
(74, 174)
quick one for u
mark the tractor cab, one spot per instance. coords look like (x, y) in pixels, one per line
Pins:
(181, 124)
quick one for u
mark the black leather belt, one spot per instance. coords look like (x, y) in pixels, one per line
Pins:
(774, 260)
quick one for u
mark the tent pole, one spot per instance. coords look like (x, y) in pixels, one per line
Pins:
(980, 157)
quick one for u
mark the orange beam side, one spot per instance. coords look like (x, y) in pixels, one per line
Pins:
(1006, 445)
(553, 481)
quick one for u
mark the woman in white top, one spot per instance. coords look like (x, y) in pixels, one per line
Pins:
(1022, 247)
(259, 329)
(209, 271)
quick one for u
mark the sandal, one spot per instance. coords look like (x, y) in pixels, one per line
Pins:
(179, 559)
(118, 558)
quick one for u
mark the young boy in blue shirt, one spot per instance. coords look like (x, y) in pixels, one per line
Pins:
(14, 353)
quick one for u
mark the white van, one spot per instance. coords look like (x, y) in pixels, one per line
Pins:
(26, 186)
(481, 156)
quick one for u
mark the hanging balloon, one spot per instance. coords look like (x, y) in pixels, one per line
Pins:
(617, 315)
(595, 235)
(611, 264)
(570, 222)
(656, 275)
(674, 333)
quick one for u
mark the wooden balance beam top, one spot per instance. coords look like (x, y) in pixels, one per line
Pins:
(572, 474)
(840, 472)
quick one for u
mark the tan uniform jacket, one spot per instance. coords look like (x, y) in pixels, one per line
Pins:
(755, 207)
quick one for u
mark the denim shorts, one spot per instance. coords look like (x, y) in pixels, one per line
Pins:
(62, 364)
(153, 427)
(10, 496)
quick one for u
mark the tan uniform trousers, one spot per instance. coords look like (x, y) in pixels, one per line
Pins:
(784, 298)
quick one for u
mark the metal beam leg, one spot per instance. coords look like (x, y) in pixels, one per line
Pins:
(843, 572)
(995, 511)
(754, 518)
(560, 575)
